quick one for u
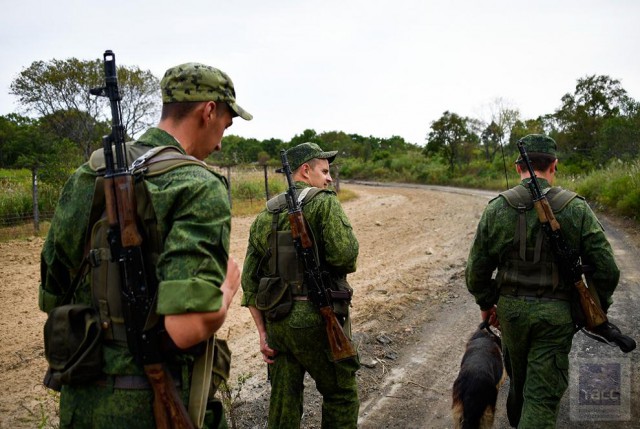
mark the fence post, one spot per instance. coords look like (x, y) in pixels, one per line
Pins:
(36, 211)
(337, 185)
(266, 182)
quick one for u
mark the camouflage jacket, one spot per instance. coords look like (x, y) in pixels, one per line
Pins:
(495, 236)
(337, 245)
(193, 219)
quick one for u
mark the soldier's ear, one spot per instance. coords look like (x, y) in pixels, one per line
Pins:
(209, 109)
(304, 168)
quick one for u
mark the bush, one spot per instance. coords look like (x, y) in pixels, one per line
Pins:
(616, 187)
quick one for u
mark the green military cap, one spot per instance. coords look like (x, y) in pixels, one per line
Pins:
(304, 152)
(539, 144)
(199, 82)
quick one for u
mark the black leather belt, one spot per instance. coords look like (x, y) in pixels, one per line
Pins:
(533, 293)
(337, 295)
(130, 382)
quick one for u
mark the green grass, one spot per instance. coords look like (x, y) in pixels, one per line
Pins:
(16, 206)
(615, 188)
(16, 199)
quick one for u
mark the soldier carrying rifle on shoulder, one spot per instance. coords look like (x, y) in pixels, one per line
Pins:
(540, 238)
(136, 274)
(301, 248)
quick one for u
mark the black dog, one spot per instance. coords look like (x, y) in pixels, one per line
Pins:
(475, 391)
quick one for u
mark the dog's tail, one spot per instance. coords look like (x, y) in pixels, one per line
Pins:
(474, 404)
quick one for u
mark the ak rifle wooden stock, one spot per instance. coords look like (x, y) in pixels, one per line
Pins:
(125, 242)
(340, 345)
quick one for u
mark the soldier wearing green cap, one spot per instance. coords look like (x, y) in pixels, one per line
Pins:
(187, 220)
(528, 299)
(293, 340)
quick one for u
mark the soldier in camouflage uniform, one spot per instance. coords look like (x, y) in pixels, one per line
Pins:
(296, 341)
(533, 302)
(196, 278)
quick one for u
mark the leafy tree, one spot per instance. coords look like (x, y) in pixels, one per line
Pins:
(596, 100)
(335, 140)
(453, 137)
(495, 136)
(491, 138)
(619, 136)
(78, 127)
(362, 147)
(9, 144)
(307, 135)
(48, 88)
(272, 147)
(237, 150)
(28, 143)
(524, 128)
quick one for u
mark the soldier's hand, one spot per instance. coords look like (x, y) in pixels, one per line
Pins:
(267, 352)
(491, 316)
(231, 282)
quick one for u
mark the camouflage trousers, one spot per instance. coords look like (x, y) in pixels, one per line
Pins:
(103, 407)
(302, 345)
(536, 340)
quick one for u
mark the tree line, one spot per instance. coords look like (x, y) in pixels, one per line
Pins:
(595, 122)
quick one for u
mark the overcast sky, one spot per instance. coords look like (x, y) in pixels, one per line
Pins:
(369, 67)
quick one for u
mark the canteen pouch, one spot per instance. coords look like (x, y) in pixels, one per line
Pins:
(341, 293)
(274, 298)
(72, 345)
(221, 365)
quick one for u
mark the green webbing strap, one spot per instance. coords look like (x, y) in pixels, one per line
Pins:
(273, 244)
(201, 384)
(520, 199)
(521, 233)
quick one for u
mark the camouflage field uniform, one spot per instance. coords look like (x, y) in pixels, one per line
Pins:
(300, 338)
(193, 218)
(536, 332)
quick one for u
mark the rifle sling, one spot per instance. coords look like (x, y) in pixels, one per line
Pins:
(201, 384)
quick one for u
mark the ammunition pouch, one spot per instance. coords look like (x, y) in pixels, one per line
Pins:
(341, 293)
(72, 345)
(274, 298)
(221, 365)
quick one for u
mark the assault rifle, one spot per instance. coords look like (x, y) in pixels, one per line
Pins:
(596, 321)
(314, 277)
(125, 243)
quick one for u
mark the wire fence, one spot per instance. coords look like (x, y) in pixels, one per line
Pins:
(23, 210)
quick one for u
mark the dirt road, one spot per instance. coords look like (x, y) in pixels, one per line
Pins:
(412, 316)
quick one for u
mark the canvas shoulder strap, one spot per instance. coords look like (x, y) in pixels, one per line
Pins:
(520, 198)
(279, 203)
(152, 161)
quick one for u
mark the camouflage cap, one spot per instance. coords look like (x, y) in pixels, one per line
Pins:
(539, 144)
(304, 152)
(199, 82)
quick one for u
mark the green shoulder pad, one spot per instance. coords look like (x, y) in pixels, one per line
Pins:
(279, 202)
(153, 161)
(520, 198)
(134, 151)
